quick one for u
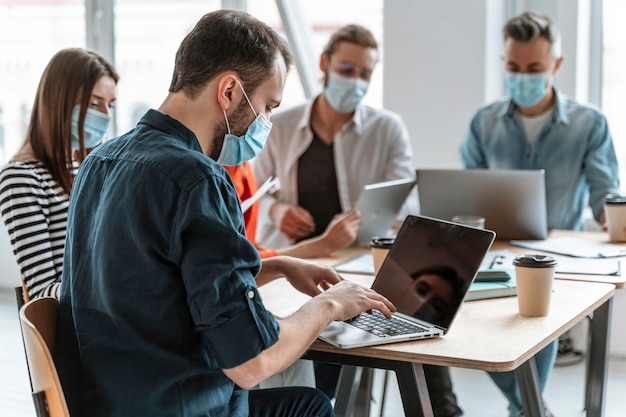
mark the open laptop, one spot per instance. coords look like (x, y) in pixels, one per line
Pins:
(379, 205)
(426, 275)
(513, 202)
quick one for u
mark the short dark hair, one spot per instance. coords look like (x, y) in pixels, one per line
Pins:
(351, 33)
(227, 40)
(529, 26)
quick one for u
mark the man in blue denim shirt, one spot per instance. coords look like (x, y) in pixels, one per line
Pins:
(537, 127)
(159, 313)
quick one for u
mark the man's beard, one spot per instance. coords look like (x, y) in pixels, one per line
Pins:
(238, 127)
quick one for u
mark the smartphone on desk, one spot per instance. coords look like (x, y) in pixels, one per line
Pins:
(492, 276)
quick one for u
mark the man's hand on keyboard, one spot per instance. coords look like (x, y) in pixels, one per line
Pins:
(348, 299)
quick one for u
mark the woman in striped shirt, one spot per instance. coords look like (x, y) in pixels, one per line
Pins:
(70, 116)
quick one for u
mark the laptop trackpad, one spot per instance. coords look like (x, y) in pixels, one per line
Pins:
(340, 334)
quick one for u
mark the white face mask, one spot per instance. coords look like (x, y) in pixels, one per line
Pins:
(344, 93)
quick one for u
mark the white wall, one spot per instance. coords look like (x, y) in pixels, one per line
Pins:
(435, 73)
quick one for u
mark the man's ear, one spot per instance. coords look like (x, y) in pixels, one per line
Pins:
(227, 90)
(324, 61)
(557, 64)
(325, 66)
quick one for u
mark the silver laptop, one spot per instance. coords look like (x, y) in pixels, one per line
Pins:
(426, 275)
(513, 202)
(379, 205)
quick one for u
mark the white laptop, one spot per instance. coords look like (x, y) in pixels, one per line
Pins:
(426, 275)
(513, 202)
(379, 205)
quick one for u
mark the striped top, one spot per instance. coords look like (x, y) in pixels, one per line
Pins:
(34, 210)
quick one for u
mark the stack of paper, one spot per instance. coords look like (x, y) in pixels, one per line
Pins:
(269, 184)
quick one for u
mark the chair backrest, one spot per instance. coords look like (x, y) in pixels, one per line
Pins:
(38, 320)
(25, 295)
(19, 298)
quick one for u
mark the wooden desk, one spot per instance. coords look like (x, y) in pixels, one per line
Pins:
(486, 335)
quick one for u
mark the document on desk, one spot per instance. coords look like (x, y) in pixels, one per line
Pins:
(268, 185)
(503, 259)
(359, 264)
(586, 266)
(572, 246)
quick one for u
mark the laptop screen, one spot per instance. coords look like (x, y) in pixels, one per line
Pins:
(430, 267)
(513, 202)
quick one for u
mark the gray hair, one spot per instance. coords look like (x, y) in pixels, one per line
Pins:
(529, 26)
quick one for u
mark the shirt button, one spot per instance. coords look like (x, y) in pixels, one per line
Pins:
(250, 294)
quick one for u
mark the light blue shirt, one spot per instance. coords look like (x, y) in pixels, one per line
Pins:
(574, 148)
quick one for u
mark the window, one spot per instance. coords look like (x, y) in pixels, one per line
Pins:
(322, 24)
(147, 35)
(32, 32)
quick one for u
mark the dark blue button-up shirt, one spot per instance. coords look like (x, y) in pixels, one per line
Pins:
(158, 292)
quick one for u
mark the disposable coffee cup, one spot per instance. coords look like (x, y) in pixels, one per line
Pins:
(615, 215)
(534, 275)
(380, 248)
(470, 220)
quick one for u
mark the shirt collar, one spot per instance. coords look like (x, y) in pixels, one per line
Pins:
(357, 118)
(559, 114)
(171, 126)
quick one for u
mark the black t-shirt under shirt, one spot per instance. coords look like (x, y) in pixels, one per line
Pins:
(317, 184)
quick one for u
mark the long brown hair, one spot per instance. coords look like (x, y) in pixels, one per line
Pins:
(67, 81)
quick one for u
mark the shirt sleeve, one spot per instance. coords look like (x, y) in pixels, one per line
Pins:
(401, 163)
(219, 266)
(472, 152)
(22, 203)
(600, 165)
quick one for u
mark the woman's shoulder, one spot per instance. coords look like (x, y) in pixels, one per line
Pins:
(24, 171)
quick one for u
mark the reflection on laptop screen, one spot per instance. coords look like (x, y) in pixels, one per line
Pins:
(430, 267)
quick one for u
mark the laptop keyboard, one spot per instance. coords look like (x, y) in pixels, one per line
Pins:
(377, 324)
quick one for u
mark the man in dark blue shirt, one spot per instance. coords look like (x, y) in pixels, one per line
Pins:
(160, 313)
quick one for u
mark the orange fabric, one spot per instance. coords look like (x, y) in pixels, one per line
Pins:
(246, 186)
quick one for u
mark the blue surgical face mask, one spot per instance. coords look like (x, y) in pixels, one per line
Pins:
(96, 127)
(344, 93)
(526, 90)
(239, 149)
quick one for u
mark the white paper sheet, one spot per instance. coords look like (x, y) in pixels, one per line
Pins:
(270, 183)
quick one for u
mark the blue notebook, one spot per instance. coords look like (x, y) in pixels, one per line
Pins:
(484, 290)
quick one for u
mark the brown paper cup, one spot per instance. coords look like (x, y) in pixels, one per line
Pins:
(534, 275)
(380, 248)
(615, 214)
